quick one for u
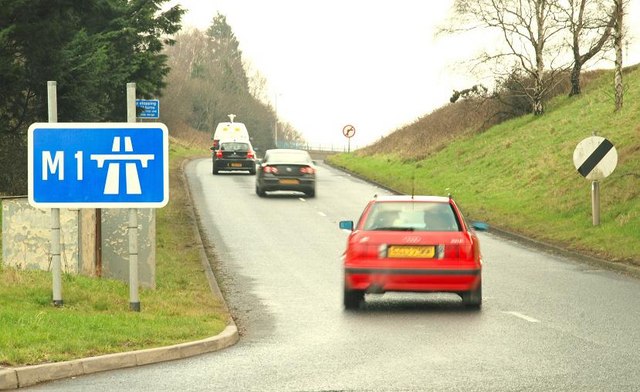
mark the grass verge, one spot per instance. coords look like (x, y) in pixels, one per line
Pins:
(95, 318)
(520, 176)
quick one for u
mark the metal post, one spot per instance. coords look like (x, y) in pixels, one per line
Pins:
(275, 125)
(98, 242)
(56, 265)
(134, 299)
(595, 202)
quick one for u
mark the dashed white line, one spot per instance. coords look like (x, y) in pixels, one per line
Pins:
(523, 316)
(321, 213)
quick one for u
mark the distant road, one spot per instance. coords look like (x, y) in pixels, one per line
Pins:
(547, 323)
(320, 155)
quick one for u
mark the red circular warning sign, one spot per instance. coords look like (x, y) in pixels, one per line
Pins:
(349, 131)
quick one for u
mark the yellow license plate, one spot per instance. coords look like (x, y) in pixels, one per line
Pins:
(289, 181)
(411, 252)
(236, 164)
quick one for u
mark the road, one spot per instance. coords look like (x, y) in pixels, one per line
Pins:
(548, 323)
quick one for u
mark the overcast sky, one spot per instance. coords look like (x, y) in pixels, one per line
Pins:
(372, 64)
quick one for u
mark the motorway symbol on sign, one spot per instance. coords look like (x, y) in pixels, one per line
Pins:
(149, 108)
(595, 158)
(77, 165)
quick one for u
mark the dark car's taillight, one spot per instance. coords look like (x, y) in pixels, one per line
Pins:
(219, 154)
(270, 169)
(250, 154)
(307, 170)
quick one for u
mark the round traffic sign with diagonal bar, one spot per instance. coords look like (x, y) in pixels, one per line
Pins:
(349, 131)
(595, 158)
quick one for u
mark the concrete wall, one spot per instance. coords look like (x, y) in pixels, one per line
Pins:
(26, 241)
(26, 236)
(115, 245)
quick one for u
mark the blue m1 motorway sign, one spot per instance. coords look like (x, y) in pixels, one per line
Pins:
(98, 165)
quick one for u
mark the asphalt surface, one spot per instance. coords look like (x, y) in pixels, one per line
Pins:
(550, 321)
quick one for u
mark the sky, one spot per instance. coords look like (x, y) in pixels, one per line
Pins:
(374, 65)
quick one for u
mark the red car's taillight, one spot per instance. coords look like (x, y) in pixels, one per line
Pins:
(460, 252)
(270, 169)
(451, 251)
(307, 170)
(359, 250)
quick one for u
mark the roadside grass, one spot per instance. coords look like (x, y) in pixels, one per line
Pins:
(0, 236)
(519, 175)
(95, 318)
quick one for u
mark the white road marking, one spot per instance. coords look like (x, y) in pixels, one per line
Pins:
(302, 199)
(523, 316)
(321, 213)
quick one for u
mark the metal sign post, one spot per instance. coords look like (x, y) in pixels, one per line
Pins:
(98, 165)
(134, 299)
(595, 202)
(348, 131)
(595, 158)
(56, 265)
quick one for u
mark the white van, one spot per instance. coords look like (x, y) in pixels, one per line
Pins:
(230, 131)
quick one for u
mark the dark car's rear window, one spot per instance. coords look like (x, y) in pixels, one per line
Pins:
(234, 146)
(289, 157)
(415, 216)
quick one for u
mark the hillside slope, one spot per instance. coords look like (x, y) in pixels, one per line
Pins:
(466, 116)
(519, 175)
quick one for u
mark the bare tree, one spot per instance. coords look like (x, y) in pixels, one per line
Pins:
(590, 24)
(532, 36)
(618, 13)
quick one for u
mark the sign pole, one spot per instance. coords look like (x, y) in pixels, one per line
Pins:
(134, 299)
(595, 202)
(56, 265)
(595, 158)
(275, 125)
(348, 131)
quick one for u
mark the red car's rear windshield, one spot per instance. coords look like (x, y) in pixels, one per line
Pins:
(414, 216)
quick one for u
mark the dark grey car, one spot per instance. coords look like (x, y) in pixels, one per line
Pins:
(286, 170)
(233, 156)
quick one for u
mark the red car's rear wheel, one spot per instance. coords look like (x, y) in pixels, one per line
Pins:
(473, 299)
(353, 298)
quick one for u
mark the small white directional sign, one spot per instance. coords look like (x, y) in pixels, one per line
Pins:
(595, 158)
(98, 165)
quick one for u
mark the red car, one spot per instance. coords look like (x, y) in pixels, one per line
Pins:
(413, 244)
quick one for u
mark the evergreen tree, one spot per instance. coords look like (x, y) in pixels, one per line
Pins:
(92, 48)
(209, 81)
(227, 57)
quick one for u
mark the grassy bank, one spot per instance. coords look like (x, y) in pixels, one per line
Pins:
(95, 318)
(520, 175)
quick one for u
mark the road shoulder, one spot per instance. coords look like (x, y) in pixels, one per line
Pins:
(24, 376)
